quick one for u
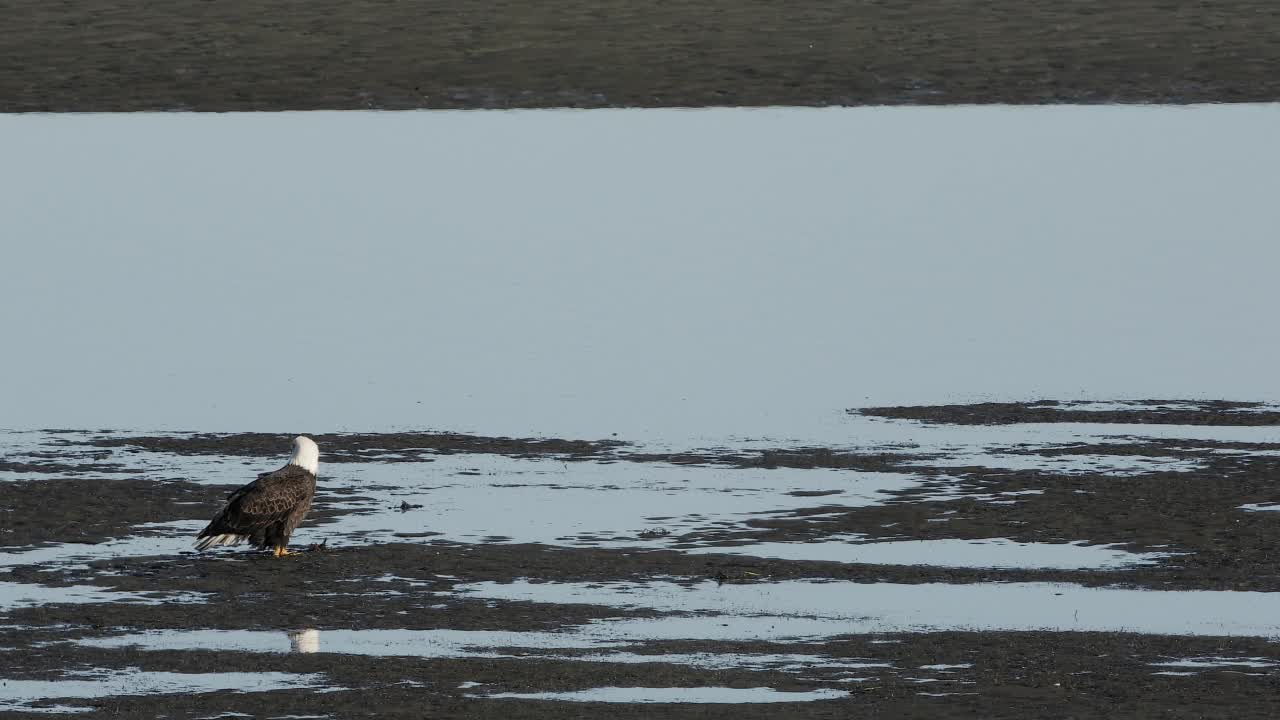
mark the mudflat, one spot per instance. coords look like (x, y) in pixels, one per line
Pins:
(387, 54)
(426, 580)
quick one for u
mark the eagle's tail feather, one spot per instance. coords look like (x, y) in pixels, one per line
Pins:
(207, 541)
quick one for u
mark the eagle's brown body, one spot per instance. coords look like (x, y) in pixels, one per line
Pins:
(266, 511)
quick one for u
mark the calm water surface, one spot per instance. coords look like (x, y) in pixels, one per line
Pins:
(655, 273)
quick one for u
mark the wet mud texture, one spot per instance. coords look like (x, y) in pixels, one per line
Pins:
(92, 511)
(1194, 512)
(1012, 675)
(1009, 675)
(1188, 412)
(356, 54)
(364, 447)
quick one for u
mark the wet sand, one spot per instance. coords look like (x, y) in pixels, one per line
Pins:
(290, 55)
(1190, 514)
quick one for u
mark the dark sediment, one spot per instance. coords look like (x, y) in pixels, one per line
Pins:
(357, 54)
(91, 511)
(1200, 412)
(358, 447)
(1008, 674)
(1012, 675)
(1194, 513)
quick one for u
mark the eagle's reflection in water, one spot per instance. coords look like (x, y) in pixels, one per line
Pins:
(304, 641)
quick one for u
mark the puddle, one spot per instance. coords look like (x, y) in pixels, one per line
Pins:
(593, 642)
(1066, 464)
(399, 643)
(14, 596)
(18, 694)
(589, 504)
(1121, 405)
(532, 500)
(38, 455)
(698, 695)
(1219, 662)
(47, 709)
(60, 453)
(462, 497)
(792, 611)
(1097, 406)
(177, 539)
(796, 609)
(990, 553)
(776, 662)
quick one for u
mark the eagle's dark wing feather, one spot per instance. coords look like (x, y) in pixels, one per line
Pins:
(275, 498)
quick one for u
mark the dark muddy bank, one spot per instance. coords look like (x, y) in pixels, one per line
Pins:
(1182, 412)
(1194, 513)
(997, 675)
(988, 674)
(358, 54)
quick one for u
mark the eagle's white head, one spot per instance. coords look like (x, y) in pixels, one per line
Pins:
(306, 454)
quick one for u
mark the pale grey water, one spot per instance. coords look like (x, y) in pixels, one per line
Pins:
(771, 611)
(734, 277)
(677, 695)
(98, 683)
(477, 498)
(23, 595)
(655, 273)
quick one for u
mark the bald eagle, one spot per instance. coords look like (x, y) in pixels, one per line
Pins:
(266, 511)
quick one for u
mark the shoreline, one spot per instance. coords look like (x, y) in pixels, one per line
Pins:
(377, 54)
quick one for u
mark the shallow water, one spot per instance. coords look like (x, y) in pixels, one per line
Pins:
(75, 555)
(1208, 663)
(785, 611)
(415, 643)
(478, 498)
(993, 553)
(797, 609)
(84, 684)
(1063, 464)
(24, 595)
(473, 498)
(600, 642)
(493, 272)
(676, 695)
